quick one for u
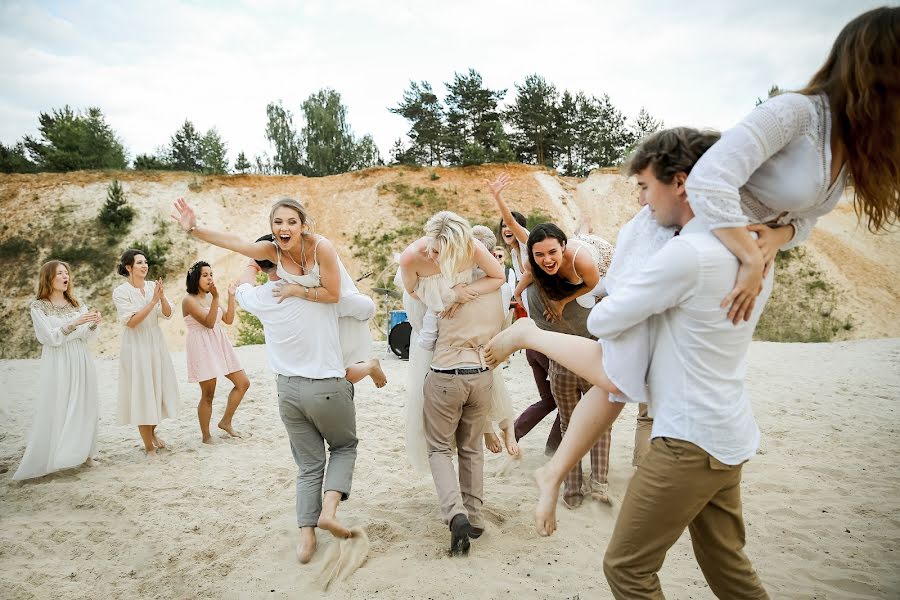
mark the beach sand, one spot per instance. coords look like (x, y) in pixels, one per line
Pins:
(821, 502)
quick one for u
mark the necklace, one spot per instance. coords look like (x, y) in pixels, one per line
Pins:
(302, 257)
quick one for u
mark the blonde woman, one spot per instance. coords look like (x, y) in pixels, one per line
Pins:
(436, 273)
(64, 429)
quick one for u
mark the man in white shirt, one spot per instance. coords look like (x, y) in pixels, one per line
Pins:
(314, 399)
(704, 428)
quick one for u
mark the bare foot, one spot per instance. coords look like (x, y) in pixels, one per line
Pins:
(210, 440)
(334, 526)
(375, 372)
(545, 511)
(307, 546)
(226, 427)
(91, 462)
(492, 442)
(600, 492)
(509, 440)
(152, 456)
(508, 341)
(158, 442)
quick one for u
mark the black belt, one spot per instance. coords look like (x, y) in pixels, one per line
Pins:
(468, 371)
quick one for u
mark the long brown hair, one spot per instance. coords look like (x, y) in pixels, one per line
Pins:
(861, 78)
(45, 282)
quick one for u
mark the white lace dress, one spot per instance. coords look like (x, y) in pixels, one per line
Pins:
(354, 309)
(64, 426)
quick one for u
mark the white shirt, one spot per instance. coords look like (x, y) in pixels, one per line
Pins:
(301, 336)
(696, 375)
(775, 165)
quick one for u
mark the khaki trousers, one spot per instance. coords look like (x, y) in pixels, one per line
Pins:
(642, 434)
(679, 485)
(455, 409)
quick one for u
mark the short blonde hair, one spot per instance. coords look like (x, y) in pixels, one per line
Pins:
(485, 236)
(451, 236)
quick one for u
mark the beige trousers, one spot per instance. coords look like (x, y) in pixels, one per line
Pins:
(455, 409)
(679, 485)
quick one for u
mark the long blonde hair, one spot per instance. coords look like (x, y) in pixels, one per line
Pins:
(451, 236)
(291, 204)
(45, 282)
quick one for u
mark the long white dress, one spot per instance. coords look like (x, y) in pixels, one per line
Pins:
(148, 389)
(64, 428)
(354, 309)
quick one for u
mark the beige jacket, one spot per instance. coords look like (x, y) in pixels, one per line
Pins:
(461, 339)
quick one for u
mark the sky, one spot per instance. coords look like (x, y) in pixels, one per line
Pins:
(151, 64)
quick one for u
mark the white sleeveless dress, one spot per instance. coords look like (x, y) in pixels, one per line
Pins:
(354, 309)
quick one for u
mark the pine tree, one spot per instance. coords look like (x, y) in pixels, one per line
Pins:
(241, 164)
(184, 148)
(213, 153)
(115, 213)
(422, 108)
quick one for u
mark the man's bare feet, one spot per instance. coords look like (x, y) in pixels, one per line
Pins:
(600, 492)
(375, 372)
(307, 546)
(492, 442)
(226, 427)
(548, 494)
(509, 440)
(158, 442)
(330, 523)
(508, 341)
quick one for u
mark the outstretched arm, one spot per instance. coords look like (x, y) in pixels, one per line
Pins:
(496, 188)
(186, 218)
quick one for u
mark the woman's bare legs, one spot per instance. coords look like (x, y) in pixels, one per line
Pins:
(204, 408)
(241, 385)
(370, 368)
(146, 432)
(593, 415)
(582, 356)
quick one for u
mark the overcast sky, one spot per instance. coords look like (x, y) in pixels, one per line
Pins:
(151, 64)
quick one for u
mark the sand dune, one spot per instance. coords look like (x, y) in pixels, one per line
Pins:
(822, 503)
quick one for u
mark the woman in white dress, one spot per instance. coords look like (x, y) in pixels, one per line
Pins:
(148, 390)
(436, 273)
(311, 270)
(64, 429)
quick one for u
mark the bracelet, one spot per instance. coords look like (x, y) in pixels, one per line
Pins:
(191, 230)
(316, 299)
(68, 329)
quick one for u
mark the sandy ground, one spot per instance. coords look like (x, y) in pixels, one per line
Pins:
(822, 502)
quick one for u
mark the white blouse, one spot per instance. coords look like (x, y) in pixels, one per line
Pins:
(773, 167)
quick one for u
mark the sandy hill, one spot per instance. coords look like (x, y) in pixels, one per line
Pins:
(845, 281)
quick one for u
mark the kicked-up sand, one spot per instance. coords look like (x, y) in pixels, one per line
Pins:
(821, 501)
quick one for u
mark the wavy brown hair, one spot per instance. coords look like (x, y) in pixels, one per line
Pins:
(45, 282)
(861, 78)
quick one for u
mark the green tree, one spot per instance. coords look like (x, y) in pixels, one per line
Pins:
(327, 139)
(534, 119)
(14, 159)
(644, 125)
(115, 214)
(153, 162)
(213, 153)
(604, 129)
(566, 134)
(472, 115)
(241, 164)
(422, 108)
(281, 134)
(71, 140)
(184, 148)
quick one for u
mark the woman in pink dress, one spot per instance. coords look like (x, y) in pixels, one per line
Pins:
(209, 351)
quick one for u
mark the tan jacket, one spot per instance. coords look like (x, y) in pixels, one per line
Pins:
(461, 339)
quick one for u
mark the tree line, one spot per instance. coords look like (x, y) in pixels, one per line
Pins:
(572, 132)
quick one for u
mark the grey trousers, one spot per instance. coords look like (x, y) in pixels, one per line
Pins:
(455, 409)
(315, 411)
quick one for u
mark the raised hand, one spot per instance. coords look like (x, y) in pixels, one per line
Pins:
(158, 291)
(213, 290)
(184, 215)
(232, 288)
(499, 184)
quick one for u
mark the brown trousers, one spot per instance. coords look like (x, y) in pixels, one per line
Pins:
(642, 434)
(455, 409)
(679, 485)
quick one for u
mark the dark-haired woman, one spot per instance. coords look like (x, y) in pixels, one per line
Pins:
(148, 390)
(209, 352)
(64, 428)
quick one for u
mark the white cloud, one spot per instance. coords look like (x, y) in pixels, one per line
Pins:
(151, 64)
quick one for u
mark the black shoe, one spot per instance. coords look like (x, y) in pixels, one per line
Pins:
(476, 532)
(459, 535)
